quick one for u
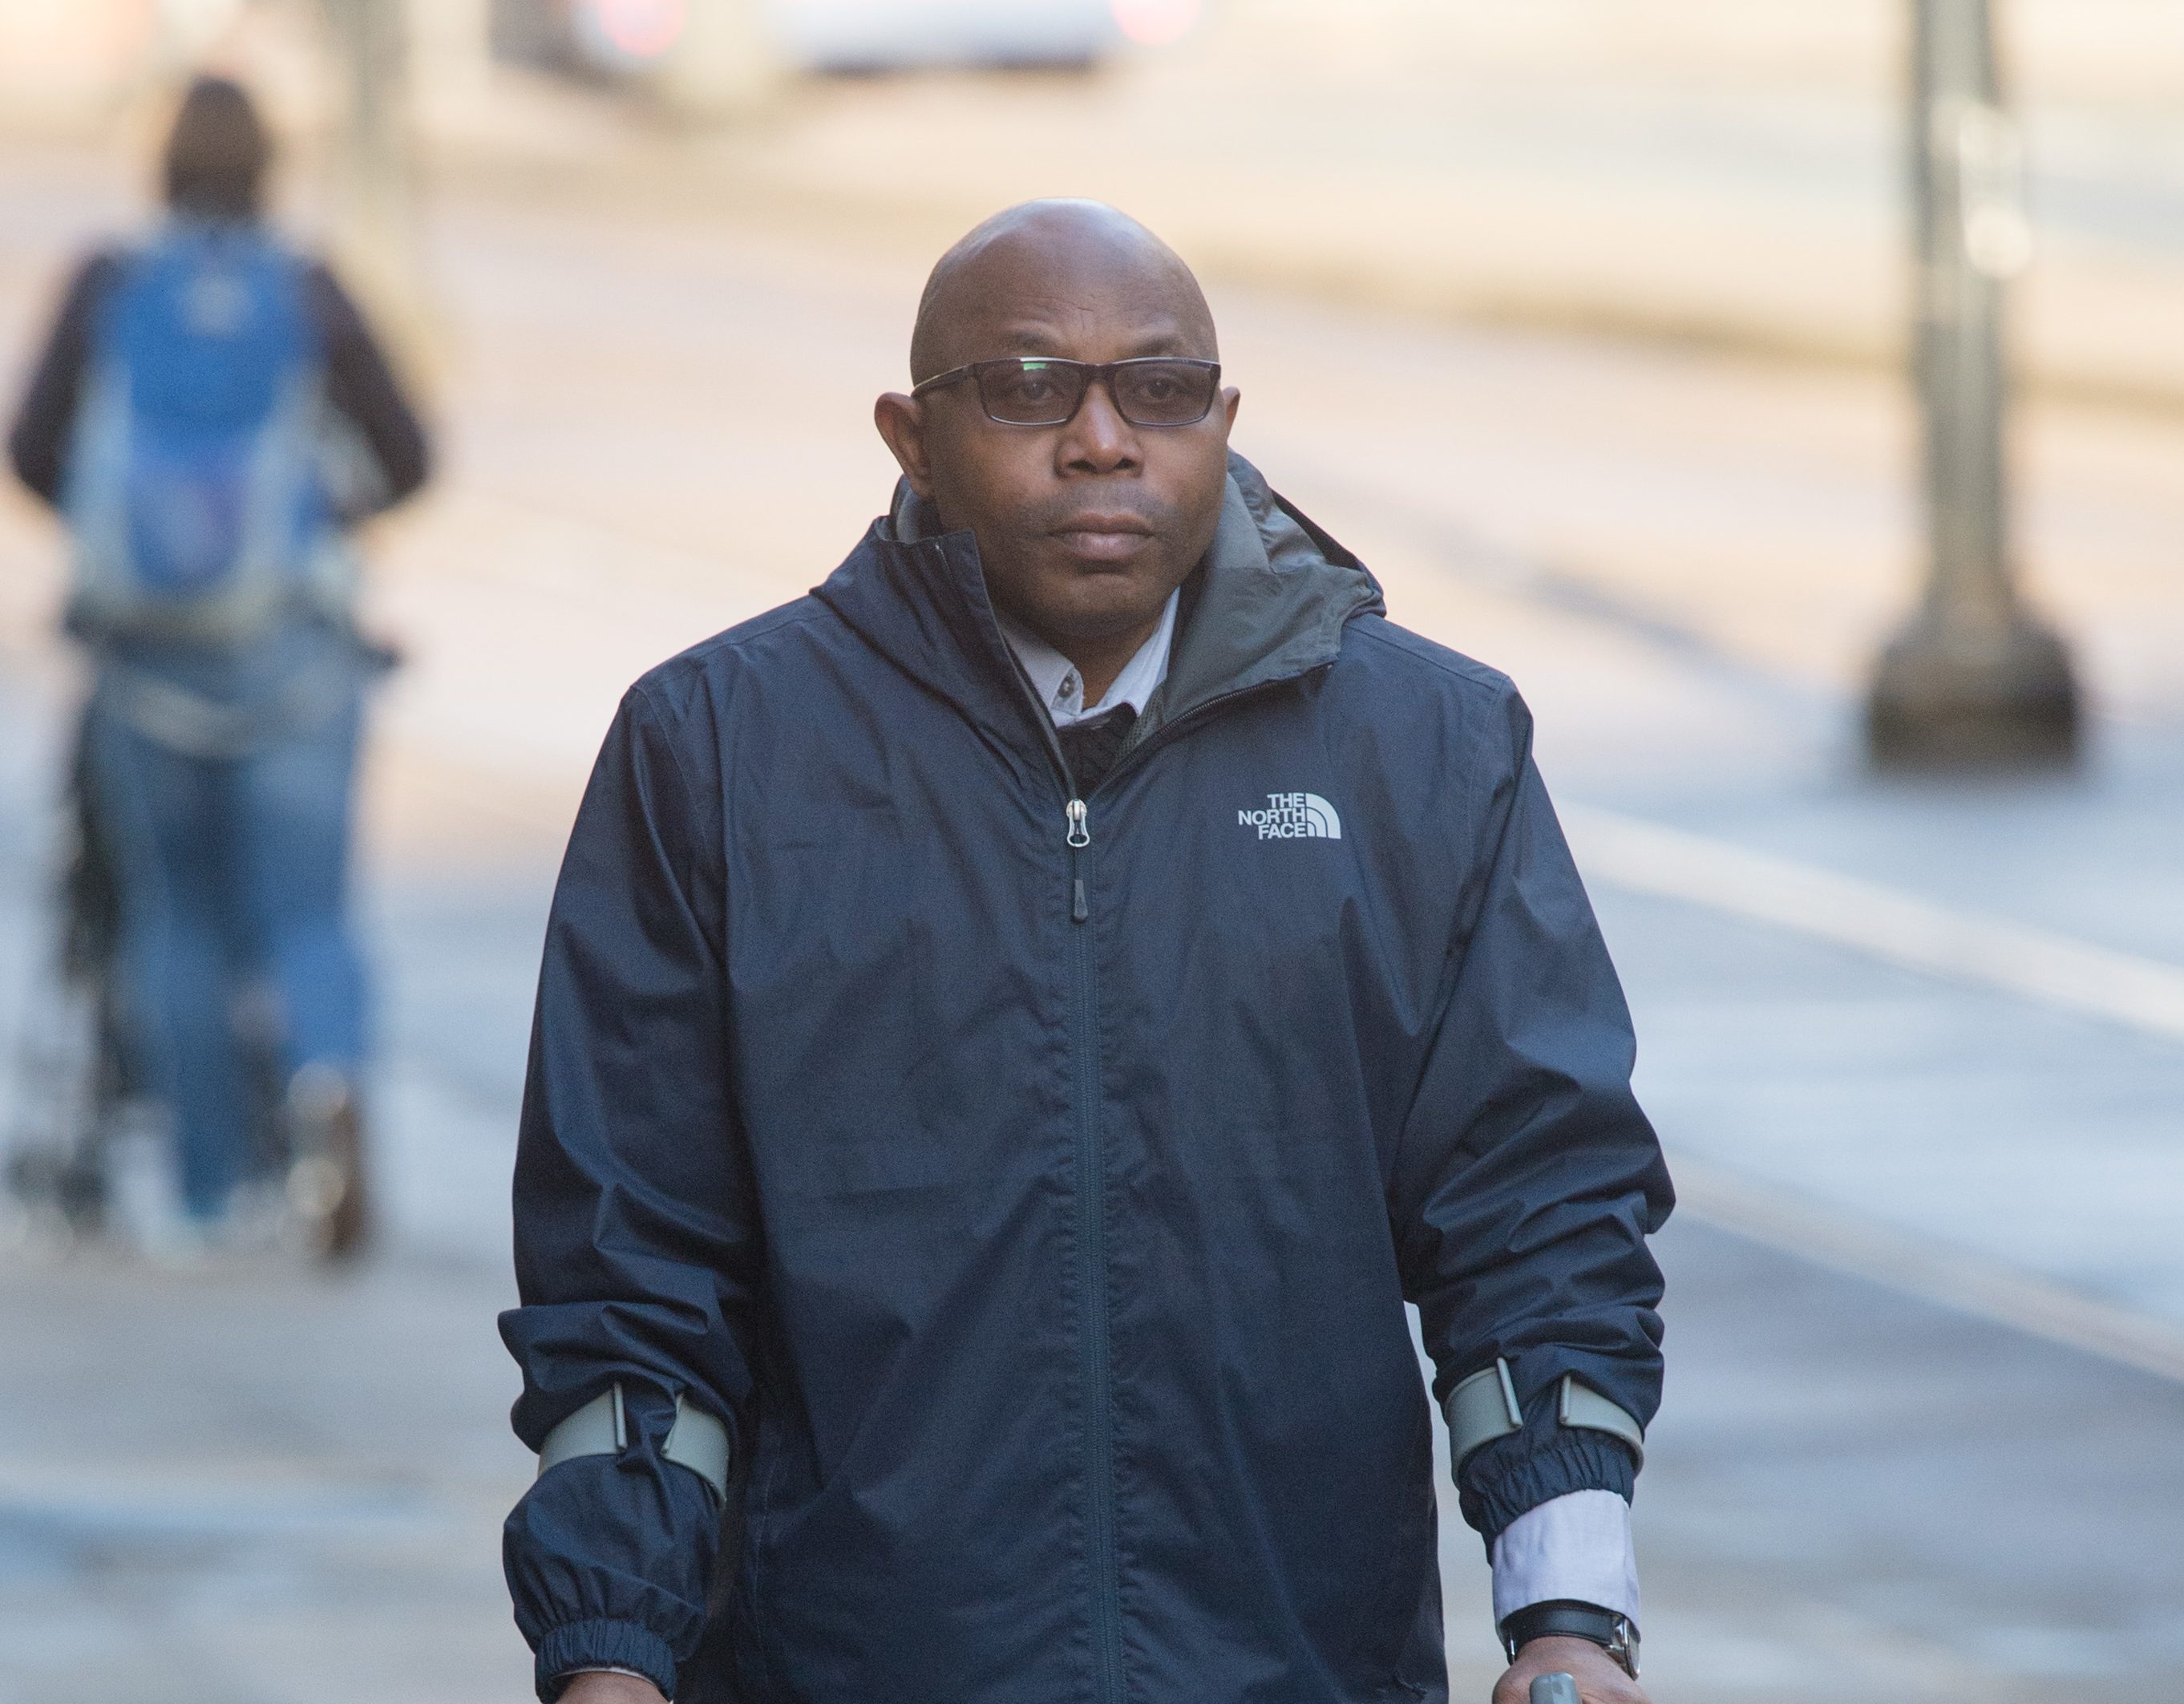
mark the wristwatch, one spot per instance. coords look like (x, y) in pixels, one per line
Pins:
(1562, 1618)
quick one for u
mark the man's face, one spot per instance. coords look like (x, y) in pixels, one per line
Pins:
(1083, 529)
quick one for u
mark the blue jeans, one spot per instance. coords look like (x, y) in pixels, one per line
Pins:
(233, 874)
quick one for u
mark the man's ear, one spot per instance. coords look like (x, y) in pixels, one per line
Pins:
(1230, 397)
(901, 421)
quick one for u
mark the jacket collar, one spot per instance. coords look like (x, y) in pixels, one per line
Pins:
(1268, 602)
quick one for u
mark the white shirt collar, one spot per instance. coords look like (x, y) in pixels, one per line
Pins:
(1060, 689)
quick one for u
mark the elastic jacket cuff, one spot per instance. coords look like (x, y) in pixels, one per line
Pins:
(1505, 1479)
(577, 1645)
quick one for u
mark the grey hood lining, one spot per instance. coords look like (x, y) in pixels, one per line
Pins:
(1271, 605)
(1266, 603)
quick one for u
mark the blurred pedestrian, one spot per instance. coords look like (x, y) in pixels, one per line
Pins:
(210, 417)
(1015, 1026)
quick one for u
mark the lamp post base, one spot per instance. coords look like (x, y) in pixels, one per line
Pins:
(1949, 699)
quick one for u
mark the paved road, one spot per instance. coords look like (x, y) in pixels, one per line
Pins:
(250, 1485)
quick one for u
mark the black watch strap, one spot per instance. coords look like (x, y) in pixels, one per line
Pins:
(1565, 1618)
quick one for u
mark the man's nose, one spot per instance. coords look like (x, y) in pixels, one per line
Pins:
(1099, 440)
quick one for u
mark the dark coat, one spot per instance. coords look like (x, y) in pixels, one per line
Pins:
(1040, 1216)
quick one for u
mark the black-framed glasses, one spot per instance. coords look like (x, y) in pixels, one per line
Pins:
(1046, 391)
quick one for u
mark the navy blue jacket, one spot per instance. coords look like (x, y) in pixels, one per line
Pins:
(1039, 1217)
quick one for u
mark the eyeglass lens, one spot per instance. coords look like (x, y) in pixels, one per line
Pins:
(1151, 392)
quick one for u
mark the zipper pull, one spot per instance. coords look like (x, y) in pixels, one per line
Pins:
(1078, 910)
(1079, 833)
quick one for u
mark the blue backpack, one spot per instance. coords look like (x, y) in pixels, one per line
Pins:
(196, 498)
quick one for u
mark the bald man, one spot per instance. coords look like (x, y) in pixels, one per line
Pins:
(1016, 1026)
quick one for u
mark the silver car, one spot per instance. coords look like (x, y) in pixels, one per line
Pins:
(886, 34)
(625, 37)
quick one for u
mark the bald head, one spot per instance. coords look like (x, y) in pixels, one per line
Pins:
(1085, 525)
(1041, 261)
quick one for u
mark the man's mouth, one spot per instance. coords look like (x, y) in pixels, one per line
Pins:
(1103, 538)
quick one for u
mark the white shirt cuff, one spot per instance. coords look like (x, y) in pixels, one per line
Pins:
(1576, 1547)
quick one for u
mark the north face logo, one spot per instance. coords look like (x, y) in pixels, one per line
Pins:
(1293, 816)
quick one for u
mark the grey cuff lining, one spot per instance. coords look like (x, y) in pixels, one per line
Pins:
(697, 1440)
(1484, 1406)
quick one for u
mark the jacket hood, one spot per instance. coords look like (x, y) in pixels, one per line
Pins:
(1268, 602)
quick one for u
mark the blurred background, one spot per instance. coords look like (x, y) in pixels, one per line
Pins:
(1587, 324)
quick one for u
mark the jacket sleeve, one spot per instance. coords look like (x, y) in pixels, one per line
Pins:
(635, 1242)
(1527, 1179)
(362, 391)
(45, 420)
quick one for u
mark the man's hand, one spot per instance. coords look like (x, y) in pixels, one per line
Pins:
(1600, 1680)
(610, 1689)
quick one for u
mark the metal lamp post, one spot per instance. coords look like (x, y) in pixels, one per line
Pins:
(374, 235)
(726, 67)
(1974, 678)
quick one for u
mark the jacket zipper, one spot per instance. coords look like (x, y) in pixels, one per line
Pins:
(1094, 1365)
(1093, 1340)
(1092, 1273)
